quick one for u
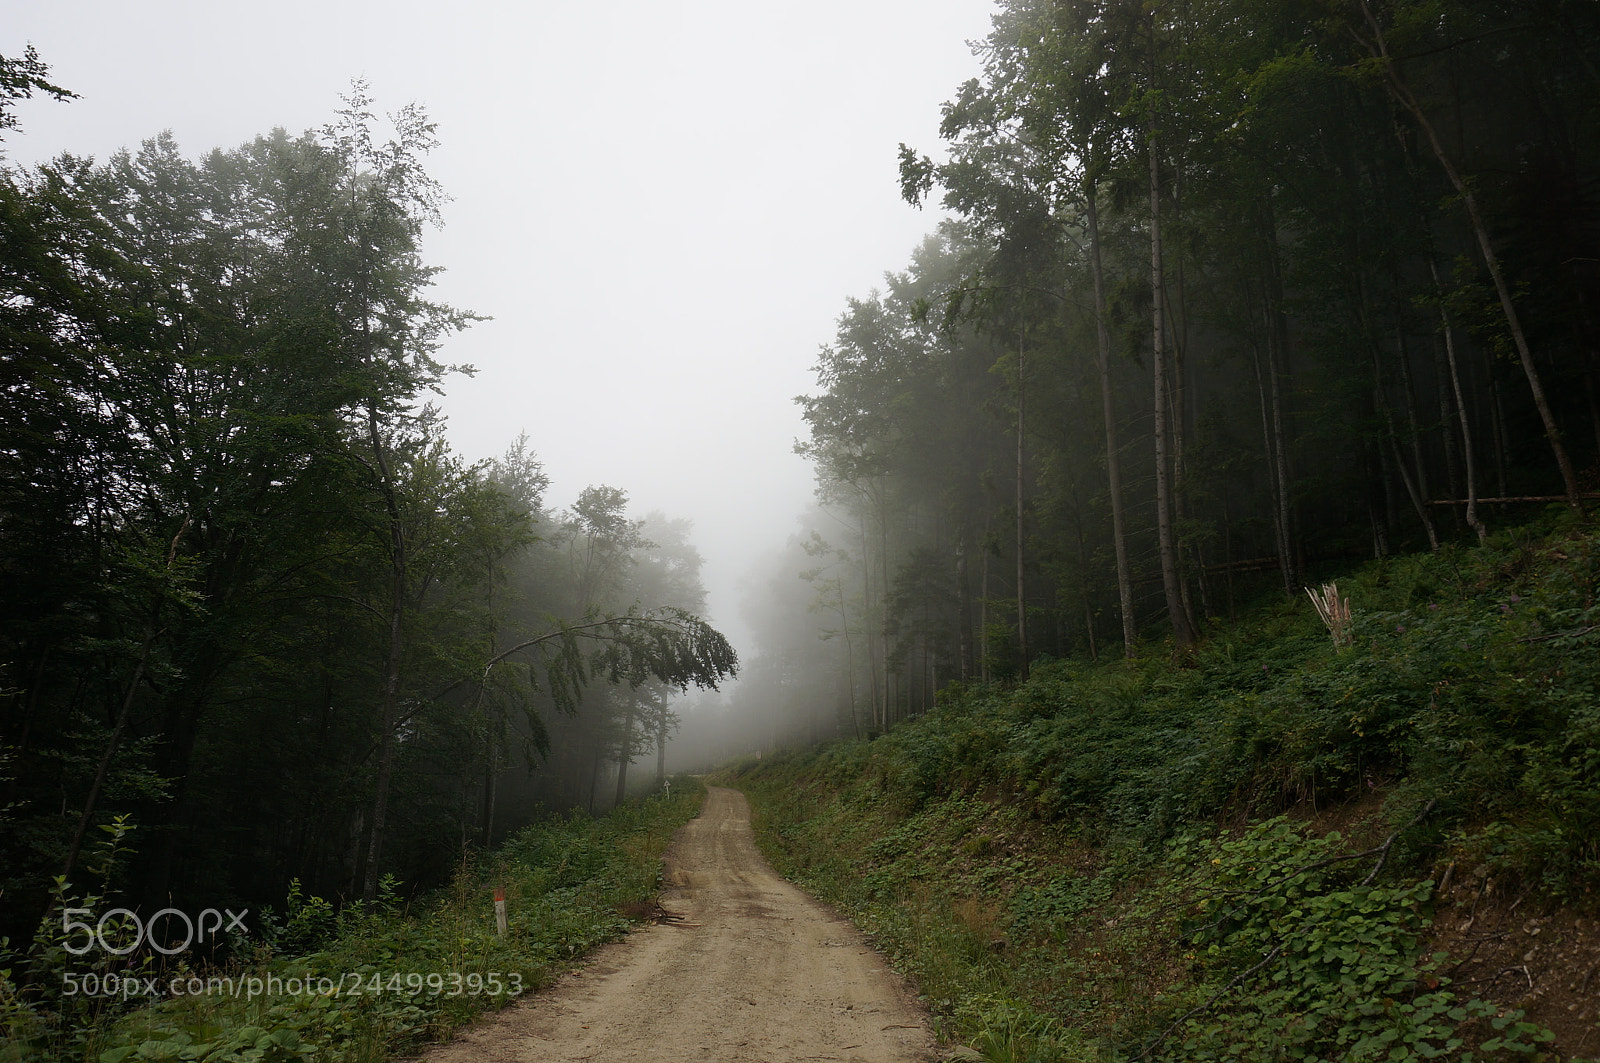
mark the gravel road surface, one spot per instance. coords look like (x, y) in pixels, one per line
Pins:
(751, 969)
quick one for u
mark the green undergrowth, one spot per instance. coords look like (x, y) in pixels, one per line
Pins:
(365, 983)
(1122, 861)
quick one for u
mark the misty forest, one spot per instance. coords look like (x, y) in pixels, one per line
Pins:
(1222, 301)
(254, 601)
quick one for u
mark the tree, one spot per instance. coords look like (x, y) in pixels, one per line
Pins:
(252, 599)
(19, 80)
(1375, 38)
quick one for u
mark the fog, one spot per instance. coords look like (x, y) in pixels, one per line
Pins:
(662, 209)
(796, 684)
(308, 606)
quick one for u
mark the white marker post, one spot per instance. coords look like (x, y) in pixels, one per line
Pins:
(500, 910)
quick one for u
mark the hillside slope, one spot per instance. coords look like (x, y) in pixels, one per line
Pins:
(1276, 848)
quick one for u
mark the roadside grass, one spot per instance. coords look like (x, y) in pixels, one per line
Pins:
(1029, 943)
(361, 984)
(1137, 861)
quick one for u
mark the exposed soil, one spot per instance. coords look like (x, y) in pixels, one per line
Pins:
(1545, 960)
(739, 966)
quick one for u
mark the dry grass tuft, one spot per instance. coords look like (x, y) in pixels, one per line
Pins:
(1335, 613)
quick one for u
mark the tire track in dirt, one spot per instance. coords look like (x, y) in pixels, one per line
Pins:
(755, 970)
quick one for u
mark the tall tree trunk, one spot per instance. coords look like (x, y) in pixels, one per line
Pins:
(661, 749)
(1391, 438)
(1227, 552)
(881, 504)
(1277, 336)
(1470, 462)
(110, 750)
(1401, 92)
(866, 612)
(1497, 425)
(849, 660)
(1269, 446)
(491, 777)
(1380, 534)
(594, 775)
(1182, 628)
(968, 656)
(1416, 480)
(983, 604)
(1021, 533)
(1447, 435)
(1119, 531)
(389, 693)
(1280, 449)
(1413, 422)
(1177, 397)
(1593, 395)
(624, 755)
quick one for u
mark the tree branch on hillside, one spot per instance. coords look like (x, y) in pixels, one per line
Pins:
(1579, 633)
(1199, 1008)
(1380, 851)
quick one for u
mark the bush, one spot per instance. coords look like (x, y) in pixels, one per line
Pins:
(366, 981)
(1080, 812)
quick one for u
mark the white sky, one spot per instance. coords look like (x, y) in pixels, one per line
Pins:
(663, 206)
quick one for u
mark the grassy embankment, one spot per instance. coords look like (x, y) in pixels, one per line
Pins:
(1274, 849)
(359, 985)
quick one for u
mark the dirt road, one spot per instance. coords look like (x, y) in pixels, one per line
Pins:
(755, 970)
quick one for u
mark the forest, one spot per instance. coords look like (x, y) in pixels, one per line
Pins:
(1233, 294)
(1227, 299)
(258, 615)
